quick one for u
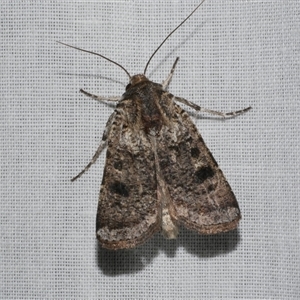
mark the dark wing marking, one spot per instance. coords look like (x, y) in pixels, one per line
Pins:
(201, 196)
(128, 211)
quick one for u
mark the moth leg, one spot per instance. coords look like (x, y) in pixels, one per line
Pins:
(167, 81)
(101, 146)
(213, 112)
(100, 98)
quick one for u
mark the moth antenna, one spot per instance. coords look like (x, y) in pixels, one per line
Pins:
(170, 35)
(98, 55)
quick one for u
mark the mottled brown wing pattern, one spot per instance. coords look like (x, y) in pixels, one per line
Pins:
(201, 196)
(128, 211)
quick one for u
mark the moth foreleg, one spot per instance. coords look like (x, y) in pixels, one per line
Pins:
(101, 146)
(100, 98)
(213, 112)
(167, 81)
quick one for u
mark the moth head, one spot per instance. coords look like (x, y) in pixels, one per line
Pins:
(134, 80)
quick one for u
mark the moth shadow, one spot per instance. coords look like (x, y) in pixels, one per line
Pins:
(205, 246)
(115, 263)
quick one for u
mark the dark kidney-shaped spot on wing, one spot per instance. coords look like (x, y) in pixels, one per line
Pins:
(204, 173)
(119, 188)
(118, 165)
(195, 152)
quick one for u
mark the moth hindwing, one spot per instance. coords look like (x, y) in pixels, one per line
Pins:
(158, 174)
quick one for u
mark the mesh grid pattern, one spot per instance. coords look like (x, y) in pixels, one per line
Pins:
(232, 54)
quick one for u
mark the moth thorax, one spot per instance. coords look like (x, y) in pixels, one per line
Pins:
(137, 79)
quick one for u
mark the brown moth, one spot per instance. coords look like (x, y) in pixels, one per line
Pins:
(159, 174)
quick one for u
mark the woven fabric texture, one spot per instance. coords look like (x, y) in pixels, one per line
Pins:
(233, 54)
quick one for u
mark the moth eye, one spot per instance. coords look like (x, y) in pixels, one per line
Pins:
(128, 86)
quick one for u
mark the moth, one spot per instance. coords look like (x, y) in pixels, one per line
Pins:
(158, 174)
